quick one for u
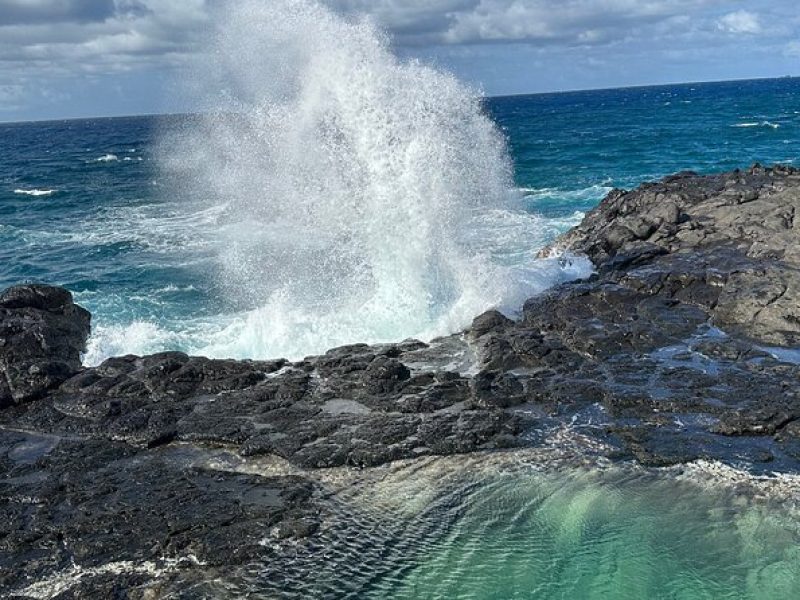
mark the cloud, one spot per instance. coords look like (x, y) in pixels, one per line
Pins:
(74, 36)
(12, 95)
(53, 37)
(455, 22)
(28, 12)
(740, 21)
(572, 21)
(49, 44)
(14, 12)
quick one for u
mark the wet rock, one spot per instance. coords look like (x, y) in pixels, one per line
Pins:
(99, 503)
(749, 246)
(491, 320)
(681, 346)
(695, 277)
(42, 333)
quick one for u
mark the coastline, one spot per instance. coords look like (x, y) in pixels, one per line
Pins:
(679, 351)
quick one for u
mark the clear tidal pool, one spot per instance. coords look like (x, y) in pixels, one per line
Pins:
(541, 524)
(606, 535)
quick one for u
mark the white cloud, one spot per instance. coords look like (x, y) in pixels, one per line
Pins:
(59, 36)
(66, 36)
(570, 21)
(43, 42)
(11, 94)
(415, 22)
(740, 21)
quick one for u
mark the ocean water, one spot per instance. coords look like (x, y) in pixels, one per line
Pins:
(612, 533)
(89, 204)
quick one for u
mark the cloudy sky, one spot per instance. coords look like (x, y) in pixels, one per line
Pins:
(71, 58)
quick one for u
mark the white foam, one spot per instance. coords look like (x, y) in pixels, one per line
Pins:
(138, 337)
(169, 289)
(158, 227)
(758, 124)
(369, 199)
(35, 192)
(60, 582)
(589, 193)
(107, 158)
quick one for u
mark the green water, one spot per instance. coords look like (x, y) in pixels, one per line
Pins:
(608, 535)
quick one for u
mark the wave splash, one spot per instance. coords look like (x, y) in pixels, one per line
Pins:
(361, 192)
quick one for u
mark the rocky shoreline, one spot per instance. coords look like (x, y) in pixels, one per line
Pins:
(682, 346)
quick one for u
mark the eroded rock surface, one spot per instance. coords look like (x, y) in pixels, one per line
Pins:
(42, 333)
(728, 243)
(683, 345)
(687, 334)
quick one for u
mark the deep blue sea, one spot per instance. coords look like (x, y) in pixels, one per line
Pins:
(89, 204)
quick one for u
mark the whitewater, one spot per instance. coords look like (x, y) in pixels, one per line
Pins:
(362, 198)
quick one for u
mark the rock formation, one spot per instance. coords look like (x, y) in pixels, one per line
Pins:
(681, 346)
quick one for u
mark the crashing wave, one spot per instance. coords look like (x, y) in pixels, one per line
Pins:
(367, 198)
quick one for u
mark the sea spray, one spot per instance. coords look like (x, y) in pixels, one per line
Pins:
(361, 192)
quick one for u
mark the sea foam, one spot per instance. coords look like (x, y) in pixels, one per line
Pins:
(769, 124)
(367, 198)
(35, 192)
(139, 337)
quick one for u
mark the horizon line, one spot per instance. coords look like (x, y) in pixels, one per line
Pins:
(484, 97)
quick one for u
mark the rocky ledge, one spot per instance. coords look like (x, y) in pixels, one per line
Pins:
(681, 346)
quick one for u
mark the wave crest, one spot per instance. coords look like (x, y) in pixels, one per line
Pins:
(35, 192)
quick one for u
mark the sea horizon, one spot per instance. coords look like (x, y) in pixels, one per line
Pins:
(484, 96)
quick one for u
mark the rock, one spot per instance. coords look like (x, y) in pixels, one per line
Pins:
(691, 288)
(42, 334)
(682, 345)
(491, 320)
(748, 249)
(96, 502)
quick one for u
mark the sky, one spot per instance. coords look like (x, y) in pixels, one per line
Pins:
(79, 58)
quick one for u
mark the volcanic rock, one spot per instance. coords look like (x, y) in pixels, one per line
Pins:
(146, 475)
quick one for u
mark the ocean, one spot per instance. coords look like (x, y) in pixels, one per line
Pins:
(96, 205)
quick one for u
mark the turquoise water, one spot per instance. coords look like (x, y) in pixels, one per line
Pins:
(546, 525)
(606, 534)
